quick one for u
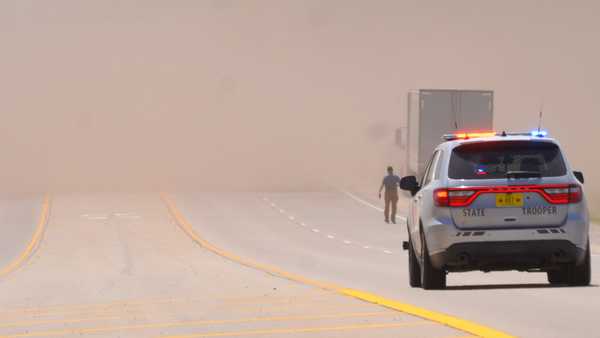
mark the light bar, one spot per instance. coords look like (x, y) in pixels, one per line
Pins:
(466, 136)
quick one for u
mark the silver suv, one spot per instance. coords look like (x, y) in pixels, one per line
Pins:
(497, 202)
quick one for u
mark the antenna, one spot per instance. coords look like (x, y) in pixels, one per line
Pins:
(541, 116)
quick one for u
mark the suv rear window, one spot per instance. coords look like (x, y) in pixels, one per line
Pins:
(492, 160)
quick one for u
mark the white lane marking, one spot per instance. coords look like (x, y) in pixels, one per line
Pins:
(360, 200)
(315, 230)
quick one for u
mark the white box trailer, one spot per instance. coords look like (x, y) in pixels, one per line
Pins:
(435, 112)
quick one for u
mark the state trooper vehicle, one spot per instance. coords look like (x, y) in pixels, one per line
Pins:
(497, 201)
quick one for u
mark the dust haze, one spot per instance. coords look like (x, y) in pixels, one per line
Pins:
(273, 95)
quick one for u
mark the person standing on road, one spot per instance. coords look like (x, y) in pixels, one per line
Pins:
(391, 183)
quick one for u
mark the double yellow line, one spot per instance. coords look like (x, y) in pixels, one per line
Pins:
(35, 240)
(451, 321)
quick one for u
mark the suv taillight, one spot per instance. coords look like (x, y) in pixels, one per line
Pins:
(564, 194)
(440, 197)
(464, 196)
(453, 197)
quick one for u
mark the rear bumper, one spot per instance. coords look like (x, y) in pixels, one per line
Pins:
(508, 255)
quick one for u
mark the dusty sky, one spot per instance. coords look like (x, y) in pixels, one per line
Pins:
(273, 94)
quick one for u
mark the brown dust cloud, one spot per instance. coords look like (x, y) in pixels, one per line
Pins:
(273, 95)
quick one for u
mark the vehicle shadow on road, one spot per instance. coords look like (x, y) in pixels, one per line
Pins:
(514, 286)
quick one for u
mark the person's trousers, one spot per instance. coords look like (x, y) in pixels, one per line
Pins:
(391, 202)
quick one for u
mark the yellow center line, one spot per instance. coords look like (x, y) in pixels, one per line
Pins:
(304, 330)
(77, 314)
(57, 321)
(128, 307)
(61, 309)
(136, 305)
(35, 240)
(451, 321)
(72, 331)
(187, 227)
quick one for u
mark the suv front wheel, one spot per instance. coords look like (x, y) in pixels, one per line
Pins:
(414, 270)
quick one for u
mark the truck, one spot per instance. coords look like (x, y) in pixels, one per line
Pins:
(432, 113)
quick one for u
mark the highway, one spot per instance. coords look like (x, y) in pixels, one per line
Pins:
(118, 265)
(334, 237)
(126, 265)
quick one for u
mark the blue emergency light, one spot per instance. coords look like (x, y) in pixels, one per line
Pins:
(539, 133)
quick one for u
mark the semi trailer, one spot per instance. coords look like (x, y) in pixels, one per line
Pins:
(435, 112)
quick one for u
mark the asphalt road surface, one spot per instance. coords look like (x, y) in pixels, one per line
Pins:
(339, 238)
(118, 265)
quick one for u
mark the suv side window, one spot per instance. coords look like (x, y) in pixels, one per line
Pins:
(434, 167)
(430, 165)
(438, 166)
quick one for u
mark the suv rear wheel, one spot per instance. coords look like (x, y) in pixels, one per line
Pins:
(581, 275)
(431, 278)
(572, 274)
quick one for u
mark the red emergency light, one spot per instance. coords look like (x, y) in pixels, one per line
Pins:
(469, 135)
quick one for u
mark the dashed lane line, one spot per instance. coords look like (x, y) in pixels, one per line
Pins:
(451, 321)
(295, 220)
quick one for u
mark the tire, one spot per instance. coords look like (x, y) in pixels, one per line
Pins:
(572, 274)
(431, 278)
(581, 275)
(557, 277)
(414, 270)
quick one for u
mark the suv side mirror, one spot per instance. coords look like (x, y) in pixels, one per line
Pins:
(579, 176)
(409, 183)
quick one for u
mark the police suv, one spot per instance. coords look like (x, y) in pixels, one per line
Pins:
(497, 201)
